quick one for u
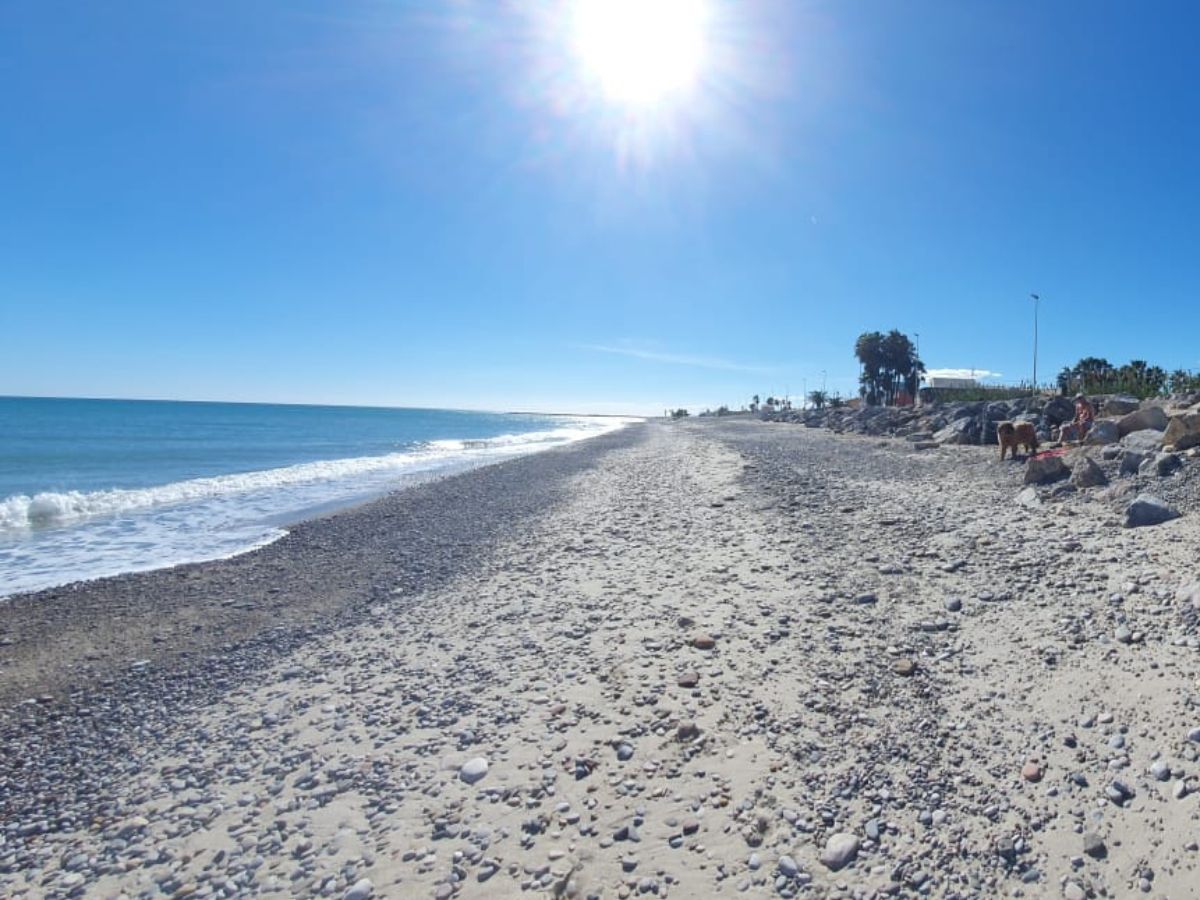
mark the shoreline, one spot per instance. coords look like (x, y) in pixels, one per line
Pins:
(94, 532)
(684, 659)
(228, 599)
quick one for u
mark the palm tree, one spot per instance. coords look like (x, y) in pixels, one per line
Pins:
(869, 350)
(1094, 374)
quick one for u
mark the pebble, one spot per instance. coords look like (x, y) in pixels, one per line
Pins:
(473, 770)
(1119, 792)
(1093, 845)
(840, 850)
(361, 890)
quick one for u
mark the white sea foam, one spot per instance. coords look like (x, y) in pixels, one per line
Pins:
(22, 512)
(53, 538)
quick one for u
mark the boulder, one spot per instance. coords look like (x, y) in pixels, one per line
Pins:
(1087, 474)
(1150, 418)
(1058, 410)
(1104, 431)
(1131, 461)
(1120, 405)
(1143, 442)
(960, 431)
(1161, 464)
(1044, 469)
(1183, 431)
(1148, 510)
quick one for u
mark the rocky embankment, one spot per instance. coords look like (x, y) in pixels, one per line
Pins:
(1128, 457)
(1176, 419)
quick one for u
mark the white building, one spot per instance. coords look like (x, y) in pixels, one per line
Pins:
(941, 381)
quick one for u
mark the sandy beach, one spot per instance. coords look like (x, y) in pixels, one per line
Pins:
(684, 659)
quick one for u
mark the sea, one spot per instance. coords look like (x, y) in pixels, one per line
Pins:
(91, 488)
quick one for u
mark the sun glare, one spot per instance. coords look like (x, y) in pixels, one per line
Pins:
(640, 52)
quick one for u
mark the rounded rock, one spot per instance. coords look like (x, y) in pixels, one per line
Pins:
(840, 850)
(473, 770)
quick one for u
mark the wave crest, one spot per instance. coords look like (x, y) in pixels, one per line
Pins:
(51, 508)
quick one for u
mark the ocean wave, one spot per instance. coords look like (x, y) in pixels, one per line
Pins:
(23, 512)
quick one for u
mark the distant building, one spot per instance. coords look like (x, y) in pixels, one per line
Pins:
(940, 382)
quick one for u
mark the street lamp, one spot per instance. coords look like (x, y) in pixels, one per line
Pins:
(917, 373)
(1036, 300)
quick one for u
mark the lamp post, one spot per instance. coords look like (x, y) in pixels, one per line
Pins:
(916, 371)
(1036, 300)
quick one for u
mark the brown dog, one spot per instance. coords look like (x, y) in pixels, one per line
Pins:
(1012, 435)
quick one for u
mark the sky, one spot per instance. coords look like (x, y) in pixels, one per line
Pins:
(456, 204)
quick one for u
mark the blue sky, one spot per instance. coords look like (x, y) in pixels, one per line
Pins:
(427, 203)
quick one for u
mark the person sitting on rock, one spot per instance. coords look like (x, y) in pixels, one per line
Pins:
(1077, 429)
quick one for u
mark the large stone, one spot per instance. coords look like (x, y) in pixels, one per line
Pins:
(960, 431)
(1148, 510)
(1103, 431)
(1044, 469)
(1131, 461)
(1162, 465)
(1120, 405)
(840, 850)
(1150, 418)
(1087, 474)
(1183, 431)
(1058, 410)
(1147, 441)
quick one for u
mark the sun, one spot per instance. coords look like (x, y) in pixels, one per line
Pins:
(640, 52)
